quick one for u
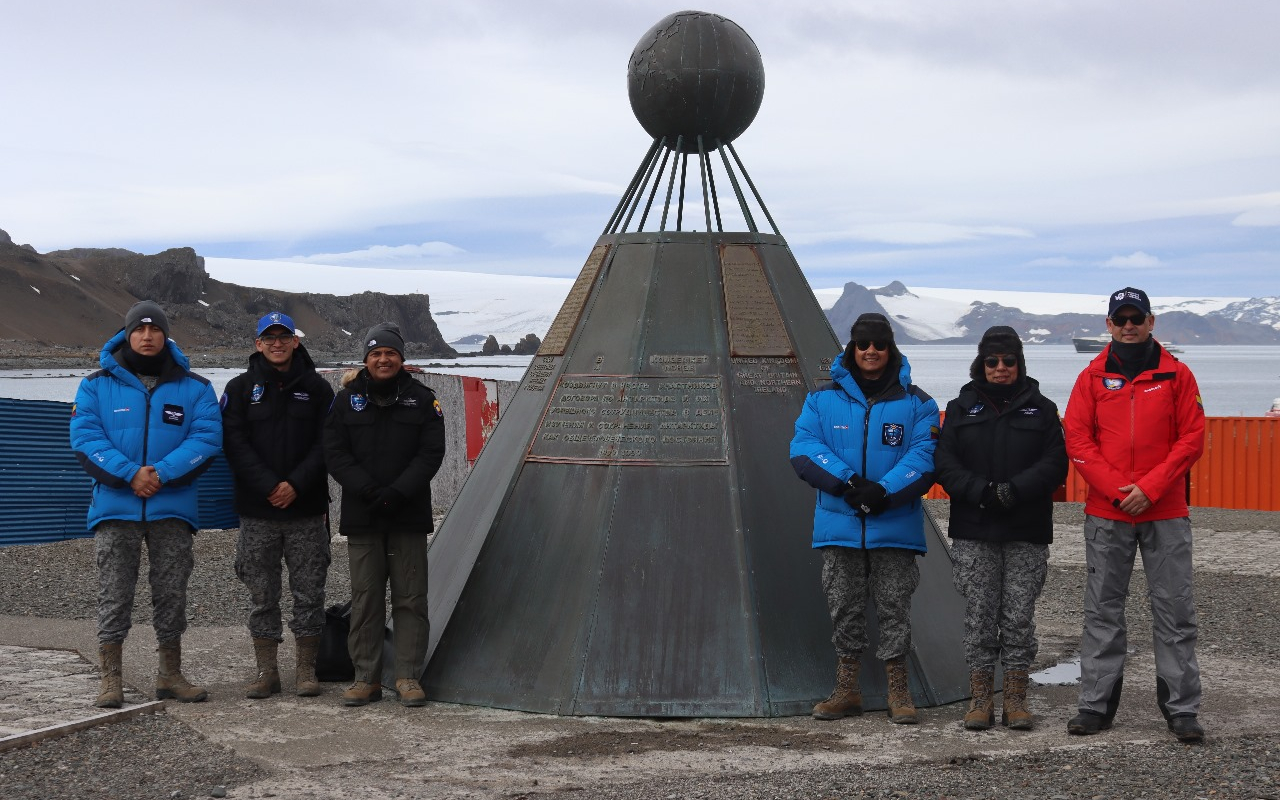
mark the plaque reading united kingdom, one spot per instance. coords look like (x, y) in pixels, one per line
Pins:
(633, 419)
(755, 325)
(566, 320)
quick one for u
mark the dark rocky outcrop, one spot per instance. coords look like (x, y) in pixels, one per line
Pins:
(76, 299)
(528, 345)
(858, 300)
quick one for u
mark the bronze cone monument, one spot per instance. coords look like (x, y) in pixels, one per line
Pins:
(633, 540)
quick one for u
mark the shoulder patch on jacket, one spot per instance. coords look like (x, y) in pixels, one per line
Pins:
(439, 411)
(1113, 384)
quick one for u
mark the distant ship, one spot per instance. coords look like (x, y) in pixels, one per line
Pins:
(1096, 344)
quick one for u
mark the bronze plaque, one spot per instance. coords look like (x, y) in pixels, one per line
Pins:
(755, 324)
(557, 338)
(633, 419)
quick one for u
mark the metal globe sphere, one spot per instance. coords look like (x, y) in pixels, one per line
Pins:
(695, 74)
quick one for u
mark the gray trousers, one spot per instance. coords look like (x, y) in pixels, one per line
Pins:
(1000, 583)
(890, 575)
(117, 545)
(1166, 557)
(375, 559)
(303, 544)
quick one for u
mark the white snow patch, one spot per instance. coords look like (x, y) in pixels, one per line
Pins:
(926, 317)
(34, 289)
(344, 330)
(73, 277)
(201, 302)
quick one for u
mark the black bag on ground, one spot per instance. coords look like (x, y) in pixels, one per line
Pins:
(333, 661)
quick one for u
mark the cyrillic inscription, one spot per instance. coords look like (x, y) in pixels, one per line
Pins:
(608, 419)
(540, 369)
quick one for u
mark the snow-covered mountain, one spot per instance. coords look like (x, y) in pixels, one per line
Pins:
(508, 307)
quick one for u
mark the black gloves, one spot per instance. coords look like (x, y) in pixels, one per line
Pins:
(869, 498)
(387, 503)
(999, 495)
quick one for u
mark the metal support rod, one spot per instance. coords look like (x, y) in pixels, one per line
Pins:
(684, 169)
(737, 190)
(702, 171)
(631, 187)
(671, 185)
(653, 191)
(759, 200)
(640, 189)
(715, 196)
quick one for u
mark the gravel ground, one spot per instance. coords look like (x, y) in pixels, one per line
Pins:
(162, 756)
(148, 756)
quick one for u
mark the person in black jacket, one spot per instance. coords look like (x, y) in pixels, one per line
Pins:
(384, 442)
(273, 420)
(1001, 456)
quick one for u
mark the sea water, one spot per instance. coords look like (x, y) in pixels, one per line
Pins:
(1234, 380)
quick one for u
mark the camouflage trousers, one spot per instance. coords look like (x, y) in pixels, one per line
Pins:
(303, 544)
(117, 545)
(890, 575)
(1000, 583)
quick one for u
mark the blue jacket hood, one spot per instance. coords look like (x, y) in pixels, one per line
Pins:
(841, 375)
(107, 358)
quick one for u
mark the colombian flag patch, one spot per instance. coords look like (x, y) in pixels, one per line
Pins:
(439, 411)
(1199, 402)
(934, 431)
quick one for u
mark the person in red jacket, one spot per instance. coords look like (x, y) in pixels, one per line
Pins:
(1134, 427)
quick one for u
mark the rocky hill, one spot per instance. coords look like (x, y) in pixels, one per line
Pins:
(1255, 321)
(65, 304)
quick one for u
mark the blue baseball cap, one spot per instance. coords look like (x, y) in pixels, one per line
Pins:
(275, 318)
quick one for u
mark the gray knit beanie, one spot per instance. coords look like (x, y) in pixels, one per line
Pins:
(384, 334)
(146, 312)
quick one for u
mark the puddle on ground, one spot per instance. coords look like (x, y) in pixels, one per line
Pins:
(1066, 673)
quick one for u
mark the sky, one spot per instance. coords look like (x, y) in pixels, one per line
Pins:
(1055, 145)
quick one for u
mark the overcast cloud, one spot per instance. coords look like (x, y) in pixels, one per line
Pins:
(1057, 144)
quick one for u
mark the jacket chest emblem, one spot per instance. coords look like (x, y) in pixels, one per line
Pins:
(173, 415)
(1112, 384)
(255, 395)
(976, 409)
(1030, 412)
(301, 397)
(359, 402)
(409, 402)
(892, 434)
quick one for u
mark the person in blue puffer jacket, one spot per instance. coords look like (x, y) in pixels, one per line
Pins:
(866, 443)
(144, 427)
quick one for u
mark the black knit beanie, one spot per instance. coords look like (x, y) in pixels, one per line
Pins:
(998, 339)
(384, 334)
(875, 327)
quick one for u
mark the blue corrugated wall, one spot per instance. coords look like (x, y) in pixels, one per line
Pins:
(44, 494)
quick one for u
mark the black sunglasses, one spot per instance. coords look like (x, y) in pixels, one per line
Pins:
(1119, 320)
(864, 344)
(994, 361)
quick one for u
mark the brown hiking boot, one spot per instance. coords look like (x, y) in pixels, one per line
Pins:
(362, 693)
(169, 680)
(268, 681)
(410, 692)
(111, 694)
(846, 698)
(1016, 715)
(901, 710)
(982, 711)
(308, 685)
